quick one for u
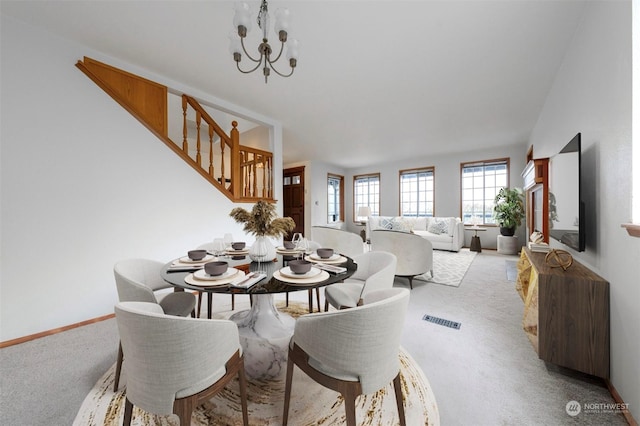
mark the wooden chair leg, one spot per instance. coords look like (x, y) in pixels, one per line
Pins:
(411, 283)
(287, 389)
(310, 292)
(118, 368)
(233, 302)
(326, 304)
(183, 408)
(318, 298)
(128, 413)
(286, 299)
(350, 408)
(243, 393)
(397, 386)
(199, 304)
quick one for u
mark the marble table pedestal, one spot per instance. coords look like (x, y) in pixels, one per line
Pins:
(264, 335)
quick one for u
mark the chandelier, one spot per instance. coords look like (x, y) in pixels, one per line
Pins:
(242, 22)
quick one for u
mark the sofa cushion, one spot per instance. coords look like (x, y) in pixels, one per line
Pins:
(440, 238)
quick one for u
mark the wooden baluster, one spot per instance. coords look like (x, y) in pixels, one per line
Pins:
(255, 176)
(247, 181)
(264, 178)
(185, 144)
(222, 178)
(198, 122)
(270, 162)
(210, 150)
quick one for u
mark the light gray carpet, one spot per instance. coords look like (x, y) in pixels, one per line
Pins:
(486, 373)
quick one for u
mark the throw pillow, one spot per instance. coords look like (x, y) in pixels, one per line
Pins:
(402, 224)
(386, 223)
(437, 226)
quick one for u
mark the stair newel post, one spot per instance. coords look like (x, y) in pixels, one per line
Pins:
(236, 173)
(198, 122)
(185, 144)
(211, 150)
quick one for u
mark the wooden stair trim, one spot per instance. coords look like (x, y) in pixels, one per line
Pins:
(121, 85)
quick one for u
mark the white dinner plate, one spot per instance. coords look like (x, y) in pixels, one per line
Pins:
(287, 272)
(202, 275)
(186, 259)
(315, 256)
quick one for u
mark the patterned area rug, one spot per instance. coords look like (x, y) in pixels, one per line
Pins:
(311, 404)
(449, 268)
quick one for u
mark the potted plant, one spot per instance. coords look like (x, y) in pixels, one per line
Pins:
(262, 222)
(508, 210)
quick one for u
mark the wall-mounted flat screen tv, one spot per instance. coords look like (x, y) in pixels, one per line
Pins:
(566, 204)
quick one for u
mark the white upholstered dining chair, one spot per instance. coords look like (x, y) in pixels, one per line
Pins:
(376, 270)
(137, 280)
(414, 253)
(340, 241)
(174, 363)
(352, 351)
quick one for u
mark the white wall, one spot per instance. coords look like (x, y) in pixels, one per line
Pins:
(592, 94)
(447, 184)
(84, 185)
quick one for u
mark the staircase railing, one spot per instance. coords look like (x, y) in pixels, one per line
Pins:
(243, 174)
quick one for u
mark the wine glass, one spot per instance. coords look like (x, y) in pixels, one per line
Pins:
(218, 247)
(228, 240)
(302, 247)
(296, 239)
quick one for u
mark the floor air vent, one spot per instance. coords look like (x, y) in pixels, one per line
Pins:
(440, 321)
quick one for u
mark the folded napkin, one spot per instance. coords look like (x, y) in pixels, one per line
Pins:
(249, 282)
(331, 268)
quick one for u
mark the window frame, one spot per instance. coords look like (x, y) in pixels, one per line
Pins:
(375, 206)
(484, 164)
(340, 178)
(417, 171)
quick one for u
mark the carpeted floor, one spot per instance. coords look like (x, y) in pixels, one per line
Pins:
(311, 403)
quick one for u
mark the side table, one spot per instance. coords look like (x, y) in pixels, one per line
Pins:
(475, 240)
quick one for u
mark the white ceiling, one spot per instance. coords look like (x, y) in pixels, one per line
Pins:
(376, 80)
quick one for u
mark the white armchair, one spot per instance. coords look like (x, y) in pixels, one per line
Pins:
(343, 242)
(414, 253)
(376, 270)
(174, 363)
(136, 281)
(352, 351)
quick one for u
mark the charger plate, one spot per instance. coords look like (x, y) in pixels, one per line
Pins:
(336, 261)
(322, 276)
(190, 279)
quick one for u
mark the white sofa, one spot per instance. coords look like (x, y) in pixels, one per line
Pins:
(444, 233)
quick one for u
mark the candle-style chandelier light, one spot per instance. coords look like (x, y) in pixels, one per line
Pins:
(242, 25)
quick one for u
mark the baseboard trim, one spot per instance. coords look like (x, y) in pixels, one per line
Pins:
(30, 337)
(618, 399)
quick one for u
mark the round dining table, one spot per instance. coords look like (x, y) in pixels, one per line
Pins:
(264, 331)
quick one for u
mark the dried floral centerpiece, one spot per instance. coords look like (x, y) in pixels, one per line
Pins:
(262, 222)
